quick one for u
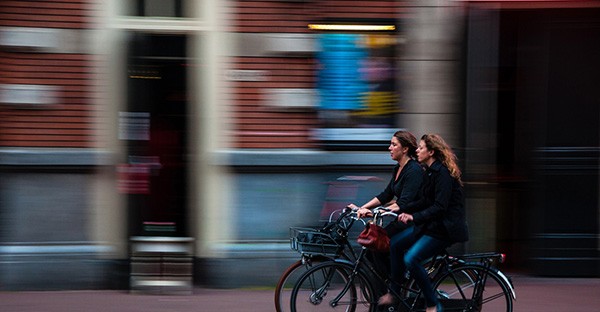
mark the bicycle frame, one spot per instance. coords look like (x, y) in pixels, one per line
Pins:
(362, 264)
(356, 266)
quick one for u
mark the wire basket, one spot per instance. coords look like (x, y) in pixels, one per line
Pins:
(311, 241)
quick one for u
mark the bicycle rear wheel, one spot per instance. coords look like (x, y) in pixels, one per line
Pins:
(332, 286)
(473, 287)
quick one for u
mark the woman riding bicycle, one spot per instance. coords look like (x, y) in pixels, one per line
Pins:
(437, 222)
(404, 186)
(406, 180)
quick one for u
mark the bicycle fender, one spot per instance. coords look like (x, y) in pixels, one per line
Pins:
(507, 282)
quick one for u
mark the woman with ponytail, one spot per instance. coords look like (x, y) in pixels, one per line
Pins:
(406, 181)
(437, 221)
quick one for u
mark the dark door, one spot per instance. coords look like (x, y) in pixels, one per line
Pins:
(548, 134)
(154, 128)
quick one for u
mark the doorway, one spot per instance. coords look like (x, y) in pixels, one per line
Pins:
(548, 120)
(154, 127)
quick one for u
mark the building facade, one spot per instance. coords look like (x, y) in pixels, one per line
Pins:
(199, 131)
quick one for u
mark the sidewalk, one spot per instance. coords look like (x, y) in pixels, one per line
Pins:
(121, 301)
(557, 294)
(533, 295)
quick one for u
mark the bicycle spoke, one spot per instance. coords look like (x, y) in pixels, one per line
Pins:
(493, 297)
(328, 287)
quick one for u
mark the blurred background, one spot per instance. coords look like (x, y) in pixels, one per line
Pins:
(172, 143)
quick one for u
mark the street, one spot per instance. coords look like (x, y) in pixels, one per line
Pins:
(533, 295)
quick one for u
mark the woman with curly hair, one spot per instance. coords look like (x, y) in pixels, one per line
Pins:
(438, 221)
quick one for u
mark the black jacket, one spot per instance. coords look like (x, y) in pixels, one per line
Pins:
(407, 187)
(442, 210)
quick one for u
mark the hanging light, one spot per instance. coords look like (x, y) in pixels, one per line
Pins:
(352, 27)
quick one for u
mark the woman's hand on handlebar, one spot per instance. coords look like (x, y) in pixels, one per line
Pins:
(360, 212)
(364, 212)
(393, 208)
(405, 218)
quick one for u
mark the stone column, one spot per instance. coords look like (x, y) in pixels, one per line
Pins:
(435, 97)
(430, 76)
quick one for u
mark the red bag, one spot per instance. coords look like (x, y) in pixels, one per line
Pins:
(374, 238)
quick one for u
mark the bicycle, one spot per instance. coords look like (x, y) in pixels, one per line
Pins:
(316, 245)
(461, 284)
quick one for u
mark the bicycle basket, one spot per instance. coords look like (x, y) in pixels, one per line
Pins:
(311, 241)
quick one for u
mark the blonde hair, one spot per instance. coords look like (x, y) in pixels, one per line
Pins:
(443, 152)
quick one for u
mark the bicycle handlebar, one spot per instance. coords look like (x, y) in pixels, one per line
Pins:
(351, 214)
(377, 212)
(384, 211)
(345, 213)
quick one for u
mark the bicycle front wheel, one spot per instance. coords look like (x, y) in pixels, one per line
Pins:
(332, 286)
(473, 287)
(287, 280)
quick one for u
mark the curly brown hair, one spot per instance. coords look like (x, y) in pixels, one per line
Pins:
(443, 152)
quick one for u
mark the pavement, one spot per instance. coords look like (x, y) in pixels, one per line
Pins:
(534, 294)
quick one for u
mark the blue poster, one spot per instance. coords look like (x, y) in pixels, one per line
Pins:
(340, 82)
(357, 75)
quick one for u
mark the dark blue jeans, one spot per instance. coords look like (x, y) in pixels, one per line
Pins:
(408, 250)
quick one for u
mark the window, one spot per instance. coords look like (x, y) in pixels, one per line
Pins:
(357, 87)
(156, 8)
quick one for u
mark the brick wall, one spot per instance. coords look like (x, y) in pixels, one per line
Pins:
(256, 124)
(59, 112)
